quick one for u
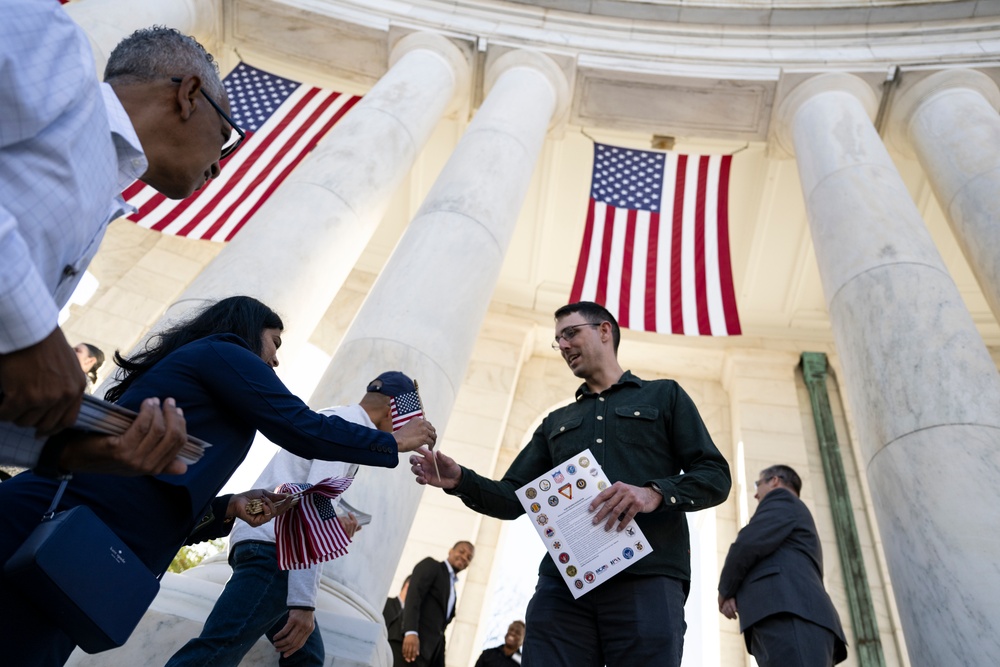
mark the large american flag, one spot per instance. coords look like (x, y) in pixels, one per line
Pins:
(655, 248)
(310, 532)
(284, 121)
(404, 408)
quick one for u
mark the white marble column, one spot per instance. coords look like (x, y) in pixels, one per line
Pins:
(297, 250)
(922, 386)
(425, 310)
(107, 22)
(949, 120)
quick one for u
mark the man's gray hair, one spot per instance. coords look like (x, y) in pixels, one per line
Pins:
(786, 474)
(159, 52)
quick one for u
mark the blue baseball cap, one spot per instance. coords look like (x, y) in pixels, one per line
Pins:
(392, 384)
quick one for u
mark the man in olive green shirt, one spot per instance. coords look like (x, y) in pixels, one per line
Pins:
(644, 434)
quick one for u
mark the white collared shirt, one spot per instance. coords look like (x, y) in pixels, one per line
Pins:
(67, 149)
(453, 579)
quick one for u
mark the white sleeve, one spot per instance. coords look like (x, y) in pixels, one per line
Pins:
(19, 446)
(303, 586)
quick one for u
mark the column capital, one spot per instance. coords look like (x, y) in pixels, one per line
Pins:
(833, 82)
(107, 22)
(539, 62)
(443, 48)
(916, 94)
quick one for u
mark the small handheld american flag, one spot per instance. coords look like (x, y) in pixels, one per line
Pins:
(310, 533)
(404, 408)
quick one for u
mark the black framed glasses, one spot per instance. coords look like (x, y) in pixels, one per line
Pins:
(757, 484)
(231, 145)
(569, 333)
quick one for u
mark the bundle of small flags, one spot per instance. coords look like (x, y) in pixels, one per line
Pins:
(310, 532)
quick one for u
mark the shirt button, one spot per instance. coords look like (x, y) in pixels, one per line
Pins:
(69, 270)
(562, 428)
(599, 441)
(600, 398)
(599, 417)
(636, 413)
(673, 500)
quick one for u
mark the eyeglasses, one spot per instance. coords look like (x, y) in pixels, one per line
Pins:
(231, 146)
(569, 333)
(757, 484)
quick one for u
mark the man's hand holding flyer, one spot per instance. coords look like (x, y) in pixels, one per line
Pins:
(558, 503)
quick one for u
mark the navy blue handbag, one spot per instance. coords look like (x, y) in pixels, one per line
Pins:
(85, 578)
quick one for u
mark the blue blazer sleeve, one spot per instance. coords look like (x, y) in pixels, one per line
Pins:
(251, 390)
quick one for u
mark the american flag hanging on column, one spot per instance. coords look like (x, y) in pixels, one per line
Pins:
(310, 532)
(284, 120)
(655, 250)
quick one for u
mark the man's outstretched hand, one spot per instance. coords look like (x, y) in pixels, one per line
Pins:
(446, 475)
(42, 386)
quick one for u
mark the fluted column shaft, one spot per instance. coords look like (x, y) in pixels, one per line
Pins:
(297, 250)
(107, 22)
(425, 310)
(950, 121)
(922, 385)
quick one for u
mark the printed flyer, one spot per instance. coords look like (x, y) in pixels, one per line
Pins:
(558, 503)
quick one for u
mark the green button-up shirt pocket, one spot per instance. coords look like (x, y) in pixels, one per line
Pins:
(566, 439)
(639, 425)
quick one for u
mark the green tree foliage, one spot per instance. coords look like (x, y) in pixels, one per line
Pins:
(190, 556)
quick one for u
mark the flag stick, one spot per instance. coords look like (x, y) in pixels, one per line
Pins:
(416, 388)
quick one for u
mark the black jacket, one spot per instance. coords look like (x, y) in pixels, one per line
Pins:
(776, 565)
(426, 609)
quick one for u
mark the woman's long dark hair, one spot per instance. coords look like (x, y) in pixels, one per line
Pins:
(241, 315)
(98, 356)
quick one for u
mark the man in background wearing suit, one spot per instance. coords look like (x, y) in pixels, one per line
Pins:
(773, 577)
(430, 605)
(393, 615)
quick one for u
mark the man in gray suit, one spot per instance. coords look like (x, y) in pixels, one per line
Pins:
(773, 576)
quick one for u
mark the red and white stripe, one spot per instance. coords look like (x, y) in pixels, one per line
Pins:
(670, 271)
(304, 538)
(221, 208)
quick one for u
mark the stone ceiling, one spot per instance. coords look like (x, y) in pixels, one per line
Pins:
(773, 12)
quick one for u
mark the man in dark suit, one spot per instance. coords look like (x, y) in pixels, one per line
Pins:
(773, 576)
(393, 614)
(430, 605)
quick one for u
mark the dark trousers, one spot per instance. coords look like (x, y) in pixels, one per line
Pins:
(253, 603)
(436, 659)
(787, 640)
(629, 620)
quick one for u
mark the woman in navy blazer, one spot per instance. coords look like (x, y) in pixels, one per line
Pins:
(219, 367)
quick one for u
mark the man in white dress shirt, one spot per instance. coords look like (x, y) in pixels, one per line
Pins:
(260, 599)
(68, 146)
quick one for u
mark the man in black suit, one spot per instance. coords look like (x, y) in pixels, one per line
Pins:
(430, 605)
(773, 576)
(393, 614)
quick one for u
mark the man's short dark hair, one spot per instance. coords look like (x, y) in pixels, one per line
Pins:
(465, 542)
(159, 52)
(785, 474)
(594, 313)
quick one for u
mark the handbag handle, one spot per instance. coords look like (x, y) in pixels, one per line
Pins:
(51, 512)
